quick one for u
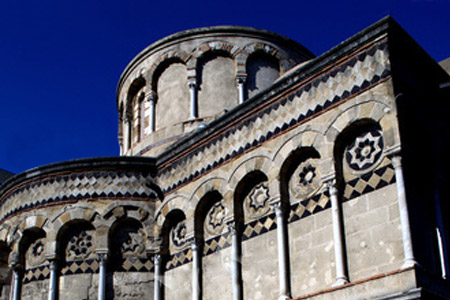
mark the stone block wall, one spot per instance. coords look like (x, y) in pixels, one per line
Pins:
(312, 254)
(373, 234)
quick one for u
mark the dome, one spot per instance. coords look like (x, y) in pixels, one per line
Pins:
(189, 78)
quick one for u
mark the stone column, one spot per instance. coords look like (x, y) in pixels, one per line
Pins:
(102, 258)
(126, 134)
(151, 99)
(120, 135)
(240, 82)
(440, 235)
(196, 270)
(235, 262)
(338, 235)
(408, 260)
(193, 93)
(53, 281)
(157, 260)
(15, 283)
(283, 252)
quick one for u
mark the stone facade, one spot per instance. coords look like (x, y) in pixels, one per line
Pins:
(276, 175)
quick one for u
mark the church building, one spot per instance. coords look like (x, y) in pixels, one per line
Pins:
(249, 169)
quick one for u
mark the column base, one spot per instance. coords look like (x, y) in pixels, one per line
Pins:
(409, 263)
(340, 281)
(284, 297)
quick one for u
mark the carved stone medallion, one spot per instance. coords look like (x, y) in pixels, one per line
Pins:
(178, 235)
(365, 151)
(214, 221)
(305, 180)
(80, 245)
(130, 241)
(34, 256)
(256, 203)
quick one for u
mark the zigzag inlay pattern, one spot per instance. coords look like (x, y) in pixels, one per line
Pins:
(178, 259)
(309, 206)
(88, 266)
(369, 182)
(76, 187)
(38, 273)
(217, 243)
(136, 264)
(357, 74)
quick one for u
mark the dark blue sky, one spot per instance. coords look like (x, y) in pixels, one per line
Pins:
(60, 60)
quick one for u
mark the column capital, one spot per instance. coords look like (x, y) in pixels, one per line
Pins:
(157, 258)
(13, 259)
(51, 257)
(150, 96)
(397, 161)
(53, 264)
(278, 208)
(232, 227)
(102, 255)
(241, 78)
(194, 243)
(17, 267)
(192, 83)
(331, 184)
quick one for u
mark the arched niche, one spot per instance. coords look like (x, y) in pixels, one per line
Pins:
(251, 203)
(76, 241)
(251, 197)
(5, 279)
(217, 90)
(76, 245)
(32, 257)
(173, 233)
(175, 245)
(211, 230)
(120, 127)
(299, 175)
(128, 264)
(32, 248)
(357, 150)
(173, 93)
(134, 110)
(210, 216)
(262, 70)
(126, 240)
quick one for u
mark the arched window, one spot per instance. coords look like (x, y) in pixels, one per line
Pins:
(216, 83)
(170, 84)
(262, 70)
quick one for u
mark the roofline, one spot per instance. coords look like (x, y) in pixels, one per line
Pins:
(134, 163)
(205, 31)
